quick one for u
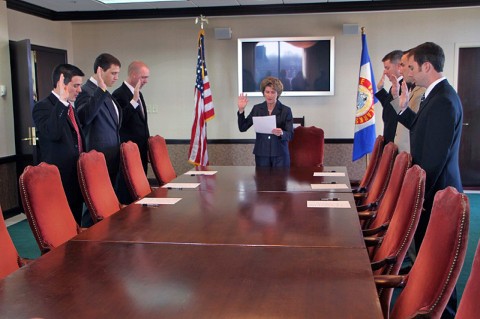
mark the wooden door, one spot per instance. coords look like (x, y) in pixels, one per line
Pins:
(468, 85)
(31, 67)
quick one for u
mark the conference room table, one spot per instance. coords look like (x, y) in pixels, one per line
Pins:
(215, 251)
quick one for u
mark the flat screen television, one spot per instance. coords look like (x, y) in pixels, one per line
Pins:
(305, 65)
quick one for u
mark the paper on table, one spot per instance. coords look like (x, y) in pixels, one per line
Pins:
(181, 185)
(329, 186)
(332, 174)
(153, 201)
(264, 124)
(201, 173)
(328, 204)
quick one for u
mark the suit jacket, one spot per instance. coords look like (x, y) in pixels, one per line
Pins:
(134, 124)
(269, 144)
(402, 135)
(389, 116)
(100, 124)
(435, 132)
(58, 145)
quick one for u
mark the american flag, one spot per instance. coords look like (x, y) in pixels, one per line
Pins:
(204, 111)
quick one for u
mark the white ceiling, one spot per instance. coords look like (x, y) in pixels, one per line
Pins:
(94, 5)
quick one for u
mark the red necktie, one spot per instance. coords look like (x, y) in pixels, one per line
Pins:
(71, 115)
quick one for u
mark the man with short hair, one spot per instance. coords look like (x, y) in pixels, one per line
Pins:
(60, 138)
(435, 132)
(130, 99)
(99, 115)
(391, 65)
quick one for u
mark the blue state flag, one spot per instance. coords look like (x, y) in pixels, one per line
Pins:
(365, 133)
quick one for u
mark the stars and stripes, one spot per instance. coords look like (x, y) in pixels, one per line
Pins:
(204, 110)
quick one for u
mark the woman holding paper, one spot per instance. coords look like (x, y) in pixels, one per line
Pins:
(271, 147)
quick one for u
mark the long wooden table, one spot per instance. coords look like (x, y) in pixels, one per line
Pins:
(228, 249)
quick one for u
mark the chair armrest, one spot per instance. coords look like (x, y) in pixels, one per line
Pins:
(360, 190)
(375, 231)
(370, 206)
(355, 183)
(390, 281)
(390, 260)
(367, 215)
(372, 241)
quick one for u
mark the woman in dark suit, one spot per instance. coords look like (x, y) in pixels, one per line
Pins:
(271, 150)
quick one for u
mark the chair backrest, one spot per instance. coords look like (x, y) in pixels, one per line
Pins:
(45, 204)
(469, 307)
(402, 163)
(373, 163)
(298, 121)
(382, 176)
(402, 227)
(9, 261)
(439, 261)
(306, 147)
(132, 169)
(96, 186)
(160, 160)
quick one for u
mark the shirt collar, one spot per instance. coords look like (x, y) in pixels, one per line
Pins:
(129, 86)
(431, 86)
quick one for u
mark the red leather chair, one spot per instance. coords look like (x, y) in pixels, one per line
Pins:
(10, 260)
(132, 169)
(380, 217)
(160, 161)
(45, 204)
(379, 184)
(390, 250)
(306, 147)
(96, 187)
(469, 307)
(430, 283)
(372, 166)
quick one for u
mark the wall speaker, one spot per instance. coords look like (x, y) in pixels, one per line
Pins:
(223, 33)
(351, 29)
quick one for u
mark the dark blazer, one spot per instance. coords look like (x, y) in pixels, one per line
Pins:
(389, 116)
(58, 145)
(134, 124)
(269, 144)
(100, 124)
(435, 132)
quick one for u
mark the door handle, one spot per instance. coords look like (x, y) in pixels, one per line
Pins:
(32, 137)
(466, 124)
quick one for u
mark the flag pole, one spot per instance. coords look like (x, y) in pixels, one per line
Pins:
(362, 29)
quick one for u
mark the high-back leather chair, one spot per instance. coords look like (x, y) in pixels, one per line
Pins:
(382, 176)
(10, 260)
(469, 307)
(160, 160)
(430, 283)
(372, 166)
(45, 204)
(381, 216)
(307, 147)
(132, 169)
(390, 250)
(96, 187)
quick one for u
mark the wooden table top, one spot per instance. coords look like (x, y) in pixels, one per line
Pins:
(235, 218)
(122, 280)
(251, 178)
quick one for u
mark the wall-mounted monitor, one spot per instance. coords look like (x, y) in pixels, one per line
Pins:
(305, 65)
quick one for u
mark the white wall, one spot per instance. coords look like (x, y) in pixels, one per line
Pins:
(169, 48)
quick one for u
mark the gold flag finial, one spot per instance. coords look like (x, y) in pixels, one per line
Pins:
(201, 19)
(363, 30)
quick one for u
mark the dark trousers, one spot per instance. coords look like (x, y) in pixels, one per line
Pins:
(272, 161)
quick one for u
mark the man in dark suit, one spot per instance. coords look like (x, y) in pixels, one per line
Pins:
(392, 68)
(435, 132)
(134, 110)
(60, 140)
(100, 116)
